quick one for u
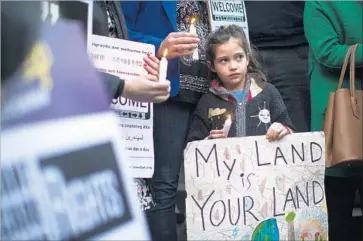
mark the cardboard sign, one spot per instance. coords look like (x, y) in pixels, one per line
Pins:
(125, 59)
(63, 174)
(227, 12)
(250, 189)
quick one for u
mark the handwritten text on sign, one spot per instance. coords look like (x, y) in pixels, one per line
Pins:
(125, 60)
(250, 189)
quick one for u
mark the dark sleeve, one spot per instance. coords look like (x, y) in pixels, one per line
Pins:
(279, 110)
(323, 38)
(20, 28)
(114, 85)
(199, 126)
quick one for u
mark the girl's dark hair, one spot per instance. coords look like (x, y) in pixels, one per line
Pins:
(222, 35)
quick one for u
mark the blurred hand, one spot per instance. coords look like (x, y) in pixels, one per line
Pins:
(277, 131)
(216, 134)
(178, 44)
(152, 65)
(146, 89)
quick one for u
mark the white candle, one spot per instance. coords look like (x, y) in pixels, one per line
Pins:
(163, 66)
(192, 29)
(227, 125)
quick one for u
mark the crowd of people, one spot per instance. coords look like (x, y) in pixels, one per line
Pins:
(296, 54)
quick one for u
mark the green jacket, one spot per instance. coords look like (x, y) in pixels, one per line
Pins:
(330, 28)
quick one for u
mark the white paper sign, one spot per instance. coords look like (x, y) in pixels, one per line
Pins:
(250, 189)
(227, 12)
(125, 60)
(65, 180)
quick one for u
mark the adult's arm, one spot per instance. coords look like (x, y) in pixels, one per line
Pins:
(131, 10)
(323, 39)
(114, 85)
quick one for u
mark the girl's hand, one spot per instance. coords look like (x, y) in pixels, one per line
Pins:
(216, 134)
(277, 131)
(152, 65)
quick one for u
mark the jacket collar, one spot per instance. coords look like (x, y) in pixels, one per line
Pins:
(217, 89)
(254, 86)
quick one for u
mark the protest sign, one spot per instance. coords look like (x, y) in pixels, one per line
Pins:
(63, 171)
(125, 60)
(65, 181)
(251, 189)
(227, 12)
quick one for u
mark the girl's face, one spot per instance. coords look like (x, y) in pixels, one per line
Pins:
(230, 64)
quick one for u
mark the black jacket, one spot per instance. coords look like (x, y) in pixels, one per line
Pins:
(261, 107)
(100, 19)
(275, 23)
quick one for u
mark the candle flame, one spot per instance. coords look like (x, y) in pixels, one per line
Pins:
(165, 53)
(192, 20)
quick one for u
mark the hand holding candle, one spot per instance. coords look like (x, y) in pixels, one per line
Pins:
(178, 44)
(152, 65)
(221, 133)
(163, 66)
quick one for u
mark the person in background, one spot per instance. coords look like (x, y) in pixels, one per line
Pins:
(155, 22)
(330, 28)
(239, 92)
(194, 79)
(23, 18)
(276, 29)
(21, 25)
(108, 20)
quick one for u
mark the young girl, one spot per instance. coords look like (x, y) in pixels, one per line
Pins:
(239, 92)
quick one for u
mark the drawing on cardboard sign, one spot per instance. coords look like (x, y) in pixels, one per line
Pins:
(250, 189)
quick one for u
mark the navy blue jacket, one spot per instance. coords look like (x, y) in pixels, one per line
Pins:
(150, 22)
